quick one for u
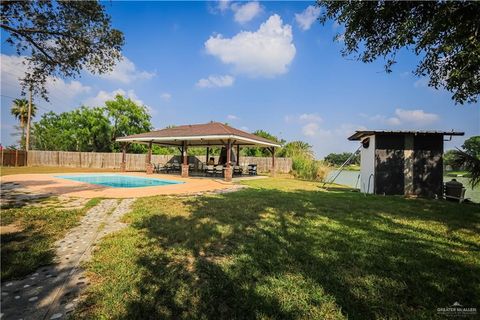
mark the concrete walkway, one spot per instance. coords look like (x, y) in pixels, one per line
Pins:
(51, 292)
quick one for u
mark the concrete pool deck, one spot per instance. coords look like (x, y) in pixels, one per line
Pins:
(48, 184)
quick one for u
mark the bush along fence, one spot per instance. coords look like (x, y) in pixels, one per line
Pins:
(136, 162)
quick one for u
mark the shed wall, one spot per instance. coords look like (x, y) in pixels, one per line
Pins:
(428, 165)
(389, 164)
(367, 167)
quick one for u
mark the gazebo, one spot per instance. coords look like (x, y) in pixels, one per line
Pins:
(198, 135)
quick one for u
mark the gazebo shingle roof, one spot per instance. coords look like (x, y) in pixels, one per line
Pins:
(199, 134)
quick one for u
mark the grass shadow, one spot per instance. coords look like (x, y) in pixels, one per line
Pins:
(297, 254)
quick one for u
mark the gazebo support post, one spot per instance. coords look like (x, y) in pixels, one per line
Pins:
(272, 170)
(208, 155)
(228, 169)
(123, 165)
(184, 160)
(238, 154)
(148, 159)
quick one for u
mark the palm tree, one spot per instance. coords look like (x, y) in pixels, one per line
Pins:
(19, 110)
(297, 148)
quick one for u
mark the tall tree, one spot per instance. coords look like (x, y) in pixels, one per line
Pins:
(19, 110)
(444, 34)
(82, 129)
(60, 38)
(127, 118)
(262, 152)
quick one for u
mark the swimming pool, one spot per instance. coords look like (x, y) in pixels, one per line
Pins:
(119, 181)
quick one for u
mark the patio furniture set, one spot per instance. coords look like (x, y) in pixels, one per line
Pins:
(207, 170)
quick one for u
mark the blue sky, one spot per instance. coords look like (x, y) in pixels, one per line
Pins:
(255, 65)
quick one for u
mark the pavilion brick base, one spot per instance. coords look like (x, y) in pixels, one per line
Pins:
(184, 170)
(149, 168)
(228, 174)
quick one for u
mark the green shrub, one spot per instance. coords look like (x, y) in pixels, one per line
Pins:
(307, 168)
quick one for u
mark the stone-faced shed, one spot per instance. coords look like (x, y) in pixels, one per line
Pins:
(402, 162)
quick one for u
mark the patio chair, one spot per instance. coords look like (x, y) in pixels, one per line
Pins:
(161, 168)
(176, 167)
(158, 168)
(219, 170)
(252, 169)
(209, 170)
(237, 170)
(168, 167)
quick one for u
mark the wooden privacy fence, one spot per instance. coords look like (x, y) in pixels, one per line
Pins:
(13, 158)
(136, 162)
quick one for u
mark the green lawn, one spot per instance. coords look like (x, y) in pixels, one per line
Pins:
(283, 250)
(32, 245)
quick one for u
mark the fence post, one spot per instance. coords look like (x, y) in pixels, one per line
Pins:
(16, 158)
(58, 158)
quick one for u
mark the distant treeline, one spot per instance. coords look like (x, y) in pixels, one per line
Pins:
(337, 159)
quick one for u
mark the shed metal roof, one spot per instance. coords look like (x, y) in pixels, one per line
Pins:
(359, 134)
(207, 134)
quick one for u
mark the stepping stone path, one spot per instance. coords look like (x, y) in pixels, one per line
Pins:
(52, 292)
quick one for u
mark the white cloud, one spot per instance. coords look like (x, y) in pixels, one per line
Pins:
(244, 128)
(102, 96)
(418, 116)
(421, 83)
(307, 17)
(246, 12)
(215, 81)
(223, 5)
(310, 129)
(391, 121)
(61, 93)
(302, 118)
(217, 7)
(125, 71)
(410, 118)
(310, 117)
(267, 52)
(232, 117)
(166, 96)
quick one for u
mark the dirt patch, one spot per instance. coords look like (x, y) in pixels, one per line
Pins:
(10, 228)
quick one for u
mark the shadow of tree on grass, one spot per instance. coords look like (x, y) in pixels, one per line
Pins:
(268, 254)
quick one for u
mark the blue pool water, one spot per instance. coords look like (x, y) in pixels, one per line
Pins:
(119, 181)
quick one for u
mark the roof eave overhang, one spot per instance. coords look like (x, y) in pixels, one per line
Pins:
(238, 139)
(359, 135)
